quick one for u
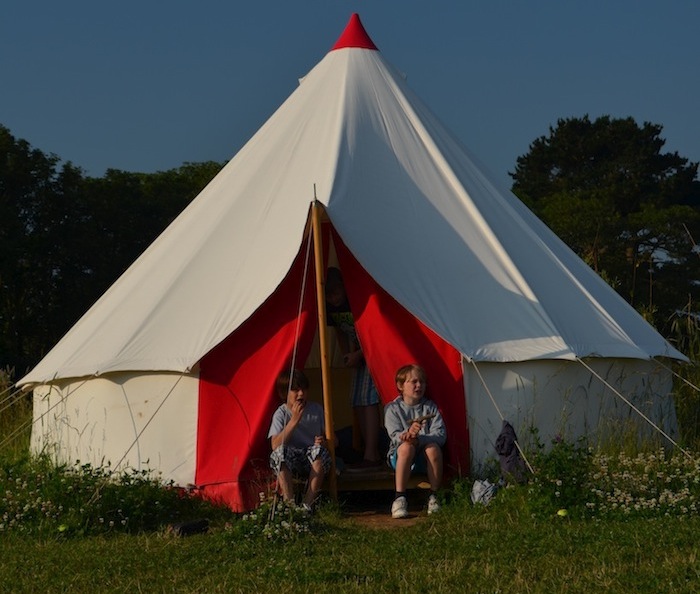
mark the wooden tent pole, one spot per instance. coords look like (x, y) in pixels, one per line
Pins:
(316, 211)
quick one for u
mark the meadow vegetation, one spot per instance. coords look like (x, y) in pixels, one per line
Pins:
(586, 521)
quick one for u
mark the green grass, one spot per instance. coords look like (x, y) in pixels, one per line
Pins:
(496, 549)
(631, 526)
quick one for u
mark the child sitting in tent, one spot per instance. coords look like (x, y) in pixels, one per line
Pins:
(298, 439)
(416, 433)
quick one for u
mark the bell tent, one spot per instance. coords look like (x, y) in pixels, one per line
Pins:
(173, 368)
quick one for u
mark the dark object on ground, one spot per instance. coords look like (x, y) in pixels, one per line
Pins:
(512, 465)
(189, 528)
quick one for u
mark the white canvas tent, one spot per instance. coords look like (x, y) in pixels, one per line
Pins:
(410, 207)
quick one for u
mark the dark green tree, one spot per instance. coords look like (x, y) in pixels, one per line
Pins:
(65, 237)
(128, 211)
(32, 189)
(627, 208)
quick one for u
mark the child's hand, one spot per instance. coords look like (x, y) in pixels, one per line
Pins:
(353, 359)
(410, 435)
(320, 440)
(298, 409)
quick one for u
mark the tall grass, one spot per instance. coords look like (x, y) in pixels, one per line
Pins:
(15, 418)
(686, 334)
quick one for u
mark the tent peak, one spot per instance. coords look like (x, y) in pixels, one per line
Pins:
(354, 36)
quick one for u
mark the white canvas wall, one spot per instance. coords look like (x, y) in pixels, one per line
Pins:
(97, 420)
(564, 398)
(153, 416)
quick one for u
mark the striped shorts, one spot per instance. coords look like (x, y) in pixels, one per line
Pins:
(299, 460)
(363, 390)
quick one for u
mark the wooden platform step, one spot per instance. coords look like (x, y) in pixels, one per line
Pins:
(378, 478)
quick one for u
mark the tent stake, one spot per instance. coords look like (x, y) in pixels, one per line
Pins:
(323, 342)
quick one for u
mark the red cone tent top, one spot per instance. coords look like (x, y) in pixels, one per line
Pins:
(354, 36)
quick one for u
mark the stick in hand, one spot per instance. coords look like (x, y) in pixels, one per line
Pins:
(422, 418)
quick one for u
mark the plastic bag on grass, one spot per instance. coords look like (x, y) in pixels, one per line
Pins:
(483, 491)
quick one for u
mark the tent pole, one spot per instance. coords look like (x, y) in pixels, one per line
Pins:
(316, 211)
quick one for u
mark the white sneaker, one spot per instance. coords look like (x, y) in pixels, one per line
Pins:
(433, 505)
(399, 509)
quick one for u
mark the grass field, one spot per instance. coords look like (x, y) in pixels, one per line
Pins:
(630, 525)
(500, 548)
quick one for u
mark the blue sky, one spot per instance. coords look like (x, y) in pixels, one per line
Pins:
(147, 86)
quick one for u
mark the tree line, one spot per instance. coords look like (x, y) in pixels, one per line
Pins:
(629, 209)
(66, 237)
(606, 187)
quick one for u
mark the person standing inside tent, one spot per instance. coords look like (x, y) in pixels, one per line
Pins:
(416, 434)
(298, 439)
(365, 398)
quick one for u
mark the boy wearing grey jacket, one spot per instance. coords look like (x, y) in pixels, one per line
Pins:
(416, 434)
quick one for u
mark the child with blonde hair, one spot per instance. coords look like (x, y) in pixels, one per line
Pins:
(416, 434)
